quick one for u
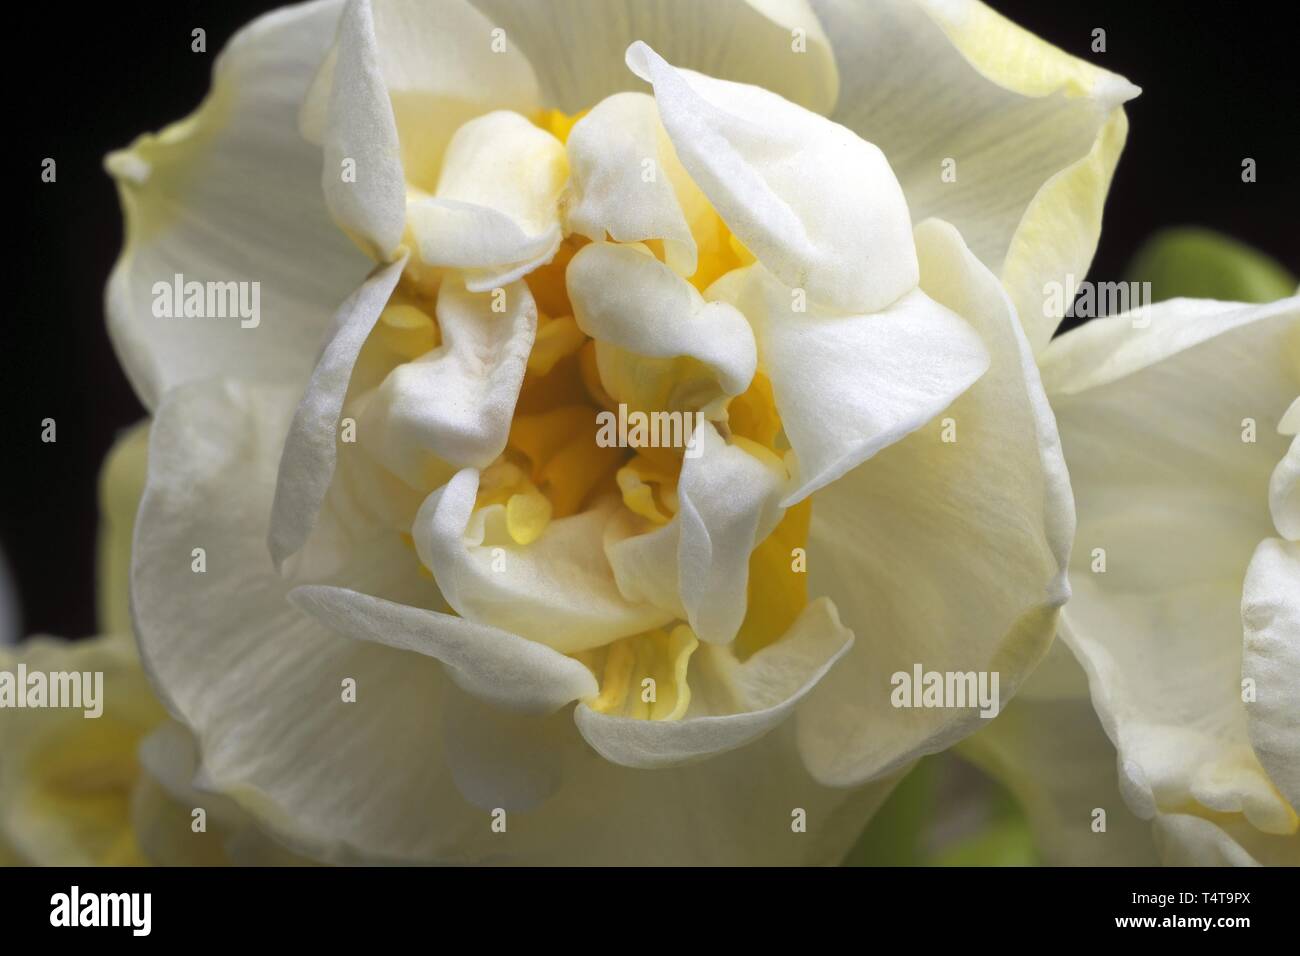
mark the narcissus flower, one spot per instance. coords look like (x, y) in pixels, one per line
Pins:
(1179, 425)
(412, 604)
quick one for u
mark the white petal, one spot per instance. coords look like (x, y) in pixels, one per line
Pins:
(501, 668)
(1050, 751)
(1270, 613)
(495, 212)
(697, 565)
(727, 505)
(636, 308)
(1284, 493)
(577, 46)
(732, 703)
(367, 200)
(1290, 423)
(499, 759)
(645, 561)
(232, 194)
(162, 811)
(847, 386)
(1030, 134)
(455, 404)
(310, 452)
(1156, 420)
(947, 554)
(622, 179)
(259, 682)
(817, 205)
(1186, 840)
(559, 590)
(438, 67)
(371, 781)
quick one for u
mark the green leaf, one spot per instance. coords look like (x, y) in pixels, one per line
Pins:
(893, 837)
(1202, 264)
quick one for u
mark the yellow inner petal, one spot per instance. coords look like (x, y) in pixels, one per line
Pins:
(644, 676)
(553, 467)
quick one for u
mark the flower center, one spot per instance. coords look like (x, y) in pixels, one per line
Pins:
(554, 466)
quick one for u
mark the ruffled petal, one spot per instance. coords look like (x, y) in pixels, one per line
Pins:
(978, 515)
(1049, 750)
(733, 702)
(432, 66)
(232, 194)
(623, 177)
(1166, 414)
(260, 684)
(495, 212)
(849, 385)
(1284, 493)
(310, 450)
(1186, 840)
(659, 345)
(1270, 613)
(817, 205)
(367, 200)
(501, 668)
(373, 781)
(988, 127)
(453, 405)
(559, 590)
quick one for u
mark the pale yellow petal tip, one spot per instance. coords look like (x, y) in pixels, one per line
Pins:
(1290, 423)
(1021, 61)
(127, 166)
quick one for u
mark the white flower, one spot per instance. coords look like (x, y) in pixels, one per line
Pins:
(113, 789)
(1179, 426)
(470, 606)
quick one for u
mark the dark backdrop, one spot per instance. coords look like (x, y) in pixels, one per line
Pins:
(1219, 84)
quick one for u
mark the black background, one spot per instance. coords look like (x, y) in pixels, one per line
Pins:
(1219, 84)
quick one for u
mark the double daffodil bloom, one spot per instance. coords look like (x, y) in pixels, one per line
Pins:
(410, 602)
(1179, 425)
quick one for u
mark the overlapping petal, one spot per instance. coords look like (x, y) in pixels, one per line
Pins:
(429, 67)
(232, 194)
(1032, 134)
(624, 179)
(495, 212)
(733, 702)
(817, 205)
(453, 405)
(697, 565)
(659, 344)
(527, 589)
(847, 386)
(950, 554)
(577, 46)
(1171, 448)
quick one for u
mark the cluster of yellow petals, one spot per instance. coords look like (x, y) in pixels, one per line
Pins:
(553, 466)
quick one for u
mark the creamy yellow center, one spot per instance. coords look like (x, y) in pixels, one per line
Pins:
(553, 467)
